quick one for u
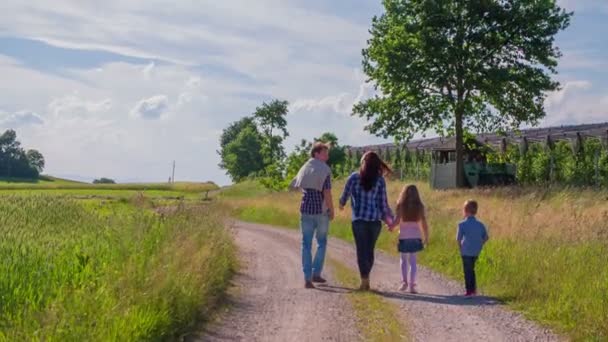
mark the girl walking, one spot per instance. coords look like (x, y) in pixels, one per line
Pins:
(411, 220)
(366, 190)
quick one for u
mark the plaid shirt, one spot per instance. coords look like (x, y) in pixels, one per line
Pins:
(367, 205)
(312, 200)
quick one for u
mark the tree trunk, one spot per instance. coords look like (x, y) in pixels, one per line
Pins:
(459, 148)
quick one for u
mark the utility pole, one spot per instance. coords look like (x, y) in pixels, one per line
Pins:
(173, 173)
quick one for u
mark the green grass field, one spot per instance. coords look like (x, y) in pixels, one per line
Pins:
(105, 270)
(50, 183)
(547, 256)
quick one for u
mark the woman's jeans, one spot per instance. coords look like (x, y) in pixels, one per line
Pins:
(366, 234)
(311, 226)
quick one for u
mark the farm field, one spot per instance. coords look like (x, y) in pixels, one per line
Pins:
(102, 264)
(547, 256)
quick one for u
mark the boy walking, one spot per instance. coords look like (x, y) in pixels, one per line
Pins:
(471, 237)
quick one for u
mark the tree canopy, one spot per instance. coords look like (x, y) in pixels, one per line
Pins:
(17, 162)
(448, 65)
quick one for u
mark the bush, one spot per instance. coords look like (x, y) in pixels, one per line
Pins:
(104, 181)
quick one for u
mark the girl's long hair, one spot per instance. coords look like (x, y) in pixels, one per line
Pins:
(410, 206)
(372, 167)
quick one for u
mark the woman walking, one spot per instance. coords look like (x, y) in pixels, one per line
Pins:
(367, 192)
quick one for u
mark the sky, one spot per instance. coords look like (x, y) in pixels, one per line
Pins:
(121, 88)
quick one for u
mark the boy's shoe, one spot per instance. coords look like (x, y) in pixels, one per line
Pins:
(318, 279)
(413, 289)
(309, 285)
(469, 295)
(403, 287)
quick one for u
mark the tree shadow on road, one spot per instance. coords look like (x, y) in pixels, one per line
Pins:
(441, 299)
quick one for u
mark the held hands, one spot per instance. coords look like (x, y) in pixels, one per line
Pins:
(332, 214)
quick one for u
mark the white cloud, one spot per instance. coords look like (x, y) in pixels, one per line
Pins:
(73, 106)
(341, 104)
(19, 119)
(575, 104)
(151, 108)
(557, 97)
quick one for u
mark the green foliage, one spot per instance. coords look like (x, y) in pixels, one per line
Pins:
(271, 119)
(104, 180)
(241, 149)
(448, 65)
(397, 162)
(541, 165)
(243, 157)
(337, 153)
(17, 162)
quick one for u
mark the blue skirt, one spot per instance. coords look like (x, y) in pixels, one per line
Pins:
(410, 245)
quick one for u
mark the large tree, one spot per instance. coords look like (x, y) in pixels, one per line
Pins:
(35, 160)
(241, 149)
(241, 157)
(337, 153)
(272, 122)
(230, 133)
(15, 161)
(449, 65)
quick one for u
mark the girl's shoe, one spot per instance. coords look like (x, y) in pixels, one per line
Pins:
(413, 289)
(403, 287)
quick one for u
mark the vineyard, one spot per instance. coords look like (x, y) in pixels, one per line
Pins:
(575, 155)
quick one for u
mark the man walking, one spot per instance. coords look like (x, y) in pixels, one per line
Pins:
(316, 209)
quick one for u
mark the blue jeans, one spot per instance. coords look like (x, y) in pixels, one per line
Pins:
(311, 226)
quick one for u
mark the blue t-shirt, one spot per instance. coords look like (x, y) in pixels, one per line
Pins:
(472, 234)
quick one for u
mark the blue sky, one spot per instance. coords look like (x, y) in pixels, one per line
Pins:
(121, 88)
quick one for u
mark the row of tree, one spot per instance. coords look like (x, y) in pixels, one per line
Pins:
(15, 161)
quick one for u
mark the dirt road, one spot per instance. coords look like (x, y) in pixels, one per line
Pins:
(272, 305)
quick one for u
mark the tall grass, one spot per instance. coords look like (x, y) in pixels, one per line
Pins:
(547, 257)
(88, 271)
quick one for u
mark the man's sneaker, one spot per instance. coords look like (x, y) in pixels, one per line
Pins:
(403, 287)
(469, 295)
(309, 285)
(318, 279)
(413, 289)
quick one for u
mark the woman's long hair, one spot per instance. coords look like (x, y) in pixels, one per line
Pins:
(409, 206)
(372, 167)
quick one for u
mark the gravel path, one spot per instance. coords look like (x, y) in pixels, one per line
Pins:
(273, 306)
(270, 302)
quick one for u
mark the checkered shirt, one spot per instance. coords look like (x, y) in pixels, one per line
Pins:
(312, 200)
(367, 205)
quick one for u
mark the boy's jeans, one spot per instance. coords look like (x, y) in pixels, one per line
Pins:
(468, 264)
(309, 225)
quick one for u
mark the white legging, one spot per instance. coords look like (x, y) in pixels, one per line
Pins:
(408, 262)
